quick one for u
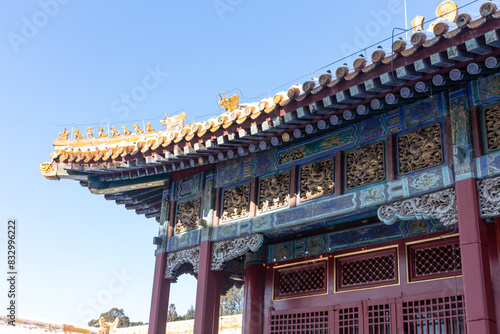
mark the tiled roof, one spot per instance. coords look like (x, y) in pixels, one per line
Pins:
(426, 60)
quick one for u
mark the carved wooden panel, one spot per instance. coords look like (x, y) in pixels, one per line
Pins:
(316, 179)
(365, 165)
(492, 124)
(235, 202)
(420, 149)
(274, 191)
(188, 215)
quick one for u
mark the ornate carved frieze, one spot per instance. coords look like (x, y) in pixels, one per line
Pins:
(226, 250)
(236, 202)
(188, 215)
(439, 205)
(274, 191)
(489, 197)
(492, 124)
(365, 165)
(420, 149)
(176, 259)
(316, 179)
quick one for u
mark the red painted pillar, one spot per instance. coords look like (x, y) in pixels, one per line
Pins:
(206, 315)
(159, 301)
(479, 301)
(253, 299)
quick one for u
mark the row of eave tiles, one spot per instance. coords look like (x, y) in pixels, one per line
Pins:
(92, 150)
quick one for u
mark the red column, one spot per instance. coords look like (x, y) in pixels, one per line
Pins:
(253, 299)
(206, 315)
(159, 301)
(479, 302)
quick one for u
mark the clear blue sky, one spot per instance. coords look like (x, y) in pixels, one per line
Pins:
(72, 62)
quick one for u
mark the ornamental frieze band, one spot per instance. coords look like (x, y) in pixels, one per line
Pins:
(274, 191)
(188, 215)
(177, 259)
(489, 197)
(441, 205)
(365, 165)
(316, 179)
(226, 250)
(420, 149)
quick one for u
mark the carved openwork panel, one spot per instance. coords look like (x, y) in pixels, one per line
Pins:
(188, 215)
(316, 179)
(365, 165)
(420, 149)
(492, 125)
(489, 197)
(236, 202)
(274, 191)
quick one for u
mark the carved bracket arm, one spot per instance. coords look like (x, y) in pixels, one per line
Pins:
(441, 205)
(223, 251)
(489, 197)
(176, 259)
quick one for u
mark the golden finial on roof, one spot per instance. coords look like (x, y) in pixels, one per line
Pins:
(229, 104)
(64, 134)
(108, 327)
(125, 131)
(418, 23)
(78, 135)
(447, 11)
(149, 128)
(174, 123)
(137, 130)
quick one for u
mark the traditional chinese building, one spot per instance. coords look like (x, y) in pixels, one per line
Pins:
(361, 202)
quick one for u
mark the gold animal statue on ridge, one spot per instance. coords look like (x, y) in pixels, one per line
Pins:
(64, 134)
(125, 131)
(107, 327)
(114, 132)
(78, 135)
(229, 104)
(149, 128)
(174, 123)
(89, 132)
(101, 132)
(137, 129)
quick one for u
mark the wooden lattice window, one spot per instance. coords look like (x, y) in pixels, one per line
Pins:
(492, 127)
(306, 322)
(300, 280)
(379, 318)
(348, 319)
(368, 269)
(439, 315)
(434, 259)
